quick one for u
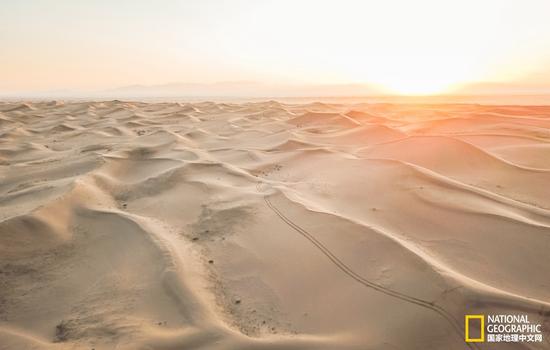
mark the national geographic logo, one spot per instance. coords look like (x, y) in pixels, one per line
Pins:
(501, 329)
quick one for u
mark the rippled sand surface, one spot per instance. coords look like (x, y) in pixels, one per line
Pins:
(268, 225)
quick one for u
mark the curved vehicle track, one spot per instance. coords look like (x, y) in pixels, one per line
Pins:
(348, 271)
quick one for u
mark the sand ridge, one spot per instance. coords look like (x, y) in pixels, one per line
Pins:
(269, 225)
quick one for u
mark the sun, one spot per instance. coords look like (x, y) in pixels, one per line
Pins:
(414, 88)
(421, 78)
(422, 85)
(404, 73)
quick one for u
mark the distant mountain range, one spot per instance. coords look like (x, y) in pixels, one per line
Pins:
(238, 89)
(251, 89)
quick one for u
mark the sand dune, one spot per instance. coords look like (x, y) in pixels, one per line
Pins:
(128, 225)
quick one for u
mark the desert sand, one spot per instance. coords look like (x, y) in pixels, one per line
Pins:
(268, 225)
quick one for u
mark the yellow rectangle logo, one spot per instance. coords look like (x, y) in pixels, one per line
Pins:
(467, 319)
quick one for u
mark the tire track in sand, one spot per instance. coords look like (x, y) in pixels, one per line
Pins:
(365, 282)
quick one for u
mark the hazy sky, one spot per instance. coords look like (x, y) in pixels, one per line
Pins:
(402, 46)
